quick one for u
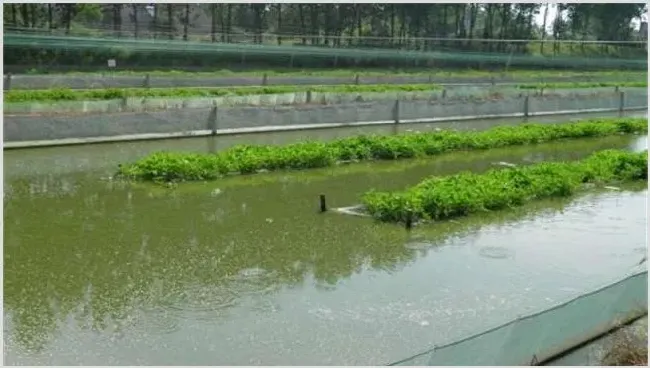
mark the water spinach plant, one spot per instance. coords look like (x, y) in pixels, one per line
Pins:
(248, 159)
(441, 198)
(54, 95)
(62, 94)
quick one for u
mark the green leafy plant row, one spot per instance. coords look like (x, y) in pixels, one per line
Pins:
(53, 95)
(440, 198)
(108, 94)
(247, 159)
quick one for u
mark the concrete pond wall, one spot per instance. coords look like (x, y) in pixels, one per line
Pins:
(241, 119)
(148, 104)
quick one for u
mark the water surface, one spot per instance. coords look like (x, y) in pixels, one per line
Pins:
(245, 271)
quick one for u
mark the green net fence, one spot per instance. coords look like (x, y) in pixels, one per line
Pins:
(37, 49)
(535, 338)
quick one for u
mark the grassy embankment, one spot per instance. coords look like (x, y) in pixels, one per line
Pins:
(442, 198)
(364, 72)
(246, 159)
(55, 95)
(628, 346)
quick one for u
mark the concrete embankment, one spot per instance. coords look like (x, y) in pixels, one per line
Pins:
(147, 104)
(108, 80)
(24, 130)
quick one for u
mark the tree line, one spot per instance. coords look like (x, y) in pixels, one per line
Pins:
(445, 27)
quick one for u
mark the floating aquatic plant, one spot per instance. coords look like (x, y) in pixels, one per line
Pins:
(440, 198)
(247, 159)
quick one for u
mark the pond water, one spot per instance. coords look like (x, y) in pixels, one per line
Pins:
(245, 271)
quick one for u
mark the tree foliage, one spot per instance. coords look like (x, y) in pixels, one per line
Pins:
(422, 27)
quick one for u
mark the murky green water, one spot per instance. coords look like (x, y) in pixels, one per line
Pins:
(245, 271)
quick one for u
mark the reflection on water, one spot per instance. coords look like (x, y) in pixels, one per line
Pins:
(102, 272)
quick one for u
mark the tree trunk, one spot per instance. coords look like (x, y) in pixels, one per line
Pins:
(402, 31)
(472, 20)
(303, 26)
(340, 24)
(170, 20)
(186, 21)
(279, 29)
(315, 29)
(585, 31)
(487, 31)
(258, 10)
(24, 15)
(445, 22)
(505, 12)
(33, 8)
(543, 36)
(67, 17)
(460, 11)
(14, 15)
(392, 24)
(229, 23)
(358, 14)
(136, 29)
(49, 16)
(154, 21)
(464, 17)
(213, 22)
(223, 24)
(117, 19)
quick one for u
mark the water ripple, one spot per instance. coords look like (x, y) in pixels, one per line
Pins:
(200, 302)
(496, 252)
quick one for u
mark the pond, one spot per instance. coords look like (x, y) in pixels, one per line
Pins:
(245, 271)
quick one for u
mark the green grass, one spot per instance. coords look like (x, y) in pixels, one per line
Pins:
(109, 94)
(55, 95)
(441, 198)
(351, 72)
(570, 85)
(248, 159)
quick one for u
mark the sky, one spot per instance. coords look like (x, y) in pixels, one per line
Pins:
(552, 13)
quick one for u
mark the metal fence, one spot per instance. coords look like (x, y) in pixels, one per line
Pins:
(340, 52)
(536, 338)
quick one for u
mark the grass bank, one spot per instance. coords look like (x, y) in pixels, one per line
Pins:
(442, 198)
(247, 159)
(50, 95)
(362, 72)
(628, 346)
(54, 95)
(574, 85)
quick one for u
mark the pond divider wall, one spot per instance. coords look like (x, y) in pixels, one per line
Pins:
(50, 130)
(541, 337)
(144, 80)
